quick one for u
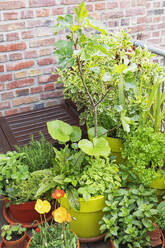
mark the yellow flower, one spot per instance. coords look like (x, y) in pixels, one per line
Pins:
(61, 215)
(42, 207)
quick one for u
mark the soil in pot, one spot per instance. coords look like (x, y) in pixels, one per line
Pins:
(18, 241)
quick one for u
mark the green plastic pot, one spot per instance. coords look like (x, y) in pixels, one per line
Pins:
(86, 220)
(159, 182)
(116, 146)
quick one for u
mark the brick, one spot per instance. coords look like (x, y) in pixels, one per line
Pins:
(50, 104)
(45, 42)
(36, 89)
(13, 4)
(69, 2)
(21, 74)
(156, 12)
(59, 85)
(42, 3)
(27, 34)
(46, 51)
(135, 12)
(20, 65)
(11, 112)
(2, 86)
(141, 19)
(1, 114)
(49, 95)
(113, 14)
(89, 7)
(34, 23)
(42, 12)
(38, 106)
(10, 16)
(30, 54)
(25, 100)
(13, 47)
(125, 4)
(3, 58)
(99, 6)
(47, 78)
(58, 11)
(20, 83)
(5, 77)
(46, 61)
(1, 37)
(4, 105)
(1, 68)
(12, 26)
(35, 72)
(27, 14)
(112, 5)
(12, 36)
(15, 56)
(47, 70)
(25, 109)
(44, 31)
(22, 92)
(7, 95)
(49, 87)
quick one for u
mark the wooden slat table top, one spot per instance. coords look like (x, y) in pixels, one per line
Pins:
(17, 129)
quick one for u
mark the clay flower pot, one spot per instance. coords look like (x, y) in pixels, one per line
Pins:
(28, 245)
(20, 243)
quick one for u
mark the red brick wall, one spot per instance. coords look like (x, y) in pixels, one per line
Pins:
(26, 43)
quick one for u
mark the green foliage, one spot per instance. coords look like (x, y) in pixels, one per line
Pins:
(128, 216)
(63, 132)
(9, 231)
(97, 147)
(25, 190)
(12, 169)
(38, 155)
(160, 220)
(53, 236)
(97, 176)
(144, 151)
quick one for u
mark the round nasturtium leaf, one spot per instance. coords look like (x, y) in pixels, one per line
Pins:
(59, 130)
(101, 147)
(76, 134)
(86, 146)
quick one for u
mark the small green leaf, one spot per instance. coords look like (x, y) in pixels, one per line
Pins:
(73, 198)
(76, 134)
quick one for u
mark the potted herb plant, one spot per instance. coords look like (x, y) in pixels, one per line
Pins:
(128, 217)
(21, 172)
(144, 153)
(56, 234)
(13, 236)
(84, 171)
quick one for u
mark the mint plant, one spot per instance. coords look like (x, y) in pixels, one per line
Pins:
(128, 216)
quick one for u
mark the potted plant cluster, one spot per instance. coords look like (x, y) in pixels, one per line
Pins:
(107, 188)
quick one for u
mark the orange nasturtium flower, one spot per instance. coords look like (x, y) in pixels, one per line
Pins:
(58, 193)
(42, 207)
(61, 215)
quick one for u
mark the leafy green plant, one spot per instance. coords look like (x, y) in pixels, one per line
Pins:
(70, 163)
(38, 155)
(160, 220)
(12, 169)
(11, 232)
(144, 153)
(128, 216)
(108, 74)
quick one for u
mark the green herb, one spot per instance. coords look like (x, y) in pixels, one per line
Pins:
(128, 216)
(38, 155)
(10, 231)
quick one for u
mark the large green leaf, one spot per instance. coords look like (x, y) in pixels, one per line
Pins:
(73, 198)
(99, 147)
(59, 130)
(86, 146)
(76, 134)
(44, 187)
(101, 131)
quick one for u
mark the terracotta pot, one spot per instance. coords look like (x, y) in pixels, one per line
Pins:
(162, 238)
(28, 245)
(20, 243)
(24, 212)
